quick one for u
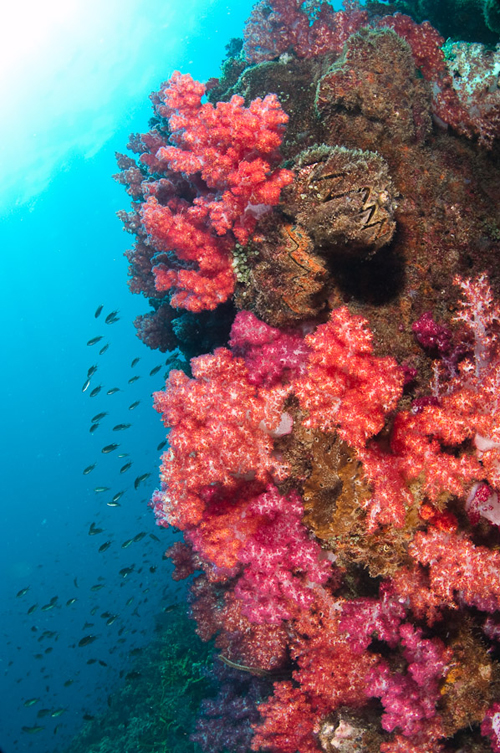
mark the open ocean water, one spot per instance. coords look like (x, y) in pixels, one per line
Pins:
(76, 77)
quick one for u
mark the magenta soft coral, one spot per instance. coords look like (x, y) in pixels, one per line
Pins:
(281, 562)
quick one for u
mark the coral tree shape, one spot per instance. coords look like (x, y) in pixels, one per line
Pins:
(221, 428)
(230, 151)
(346, 387)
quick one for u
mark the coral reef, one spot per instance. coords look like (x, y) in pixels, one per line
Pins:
(333, 463)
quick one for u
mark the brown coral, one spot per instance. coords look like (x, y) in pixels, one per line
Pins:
(363, 85)
(344, 198)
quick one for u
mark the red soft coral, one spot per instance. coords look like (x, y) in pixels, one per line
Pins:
(346, 387)
(220, 432)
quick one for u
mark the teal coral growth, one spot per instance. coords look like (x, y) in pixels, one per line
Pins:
(333, 457)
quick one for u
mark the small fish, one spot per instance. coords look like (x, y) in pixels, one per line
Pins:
(89, 469)
(161, 445)
(86, 385)
(92, 370)
(111, 619)
(121, 427)
(104, 349)
(23, 591)
(93, 611)
(135, 362)
(98, 311)
(96, 390)
(57, 712)
(153, 569)
(134, 675)
(33, 730)
(102, 663)
(97, 587)
(134, 379)
(99, 489)
(155, 370)
(141, 478)
(94, 428)
(54, 599)
(129, 601)
(75, 582)
(91, 661)
(93, 531)
(109, 448)
(113, 504)
(104, 546)
(117, 496)
(47, 607)
(31, 701)
(88, 718)
(87, 640)
(154, 537)
(125, 467)
(43, 712)
(113, 390)
(71, 601)
(139, 536)
(134, 405)
(123, 455)
(94, 340)
(127, 543)
(68, 683)
(99, 417)
(32, 609)
(111, 318)
(126, 571)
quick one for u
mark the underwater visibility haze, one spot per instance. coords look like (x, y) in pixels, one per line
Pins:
(302, 393)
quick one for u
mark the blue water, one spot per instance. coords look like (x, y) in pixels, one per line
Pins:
(77, 85)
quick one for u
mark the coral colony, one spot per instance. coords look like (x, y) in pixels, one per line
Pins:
(319, 230)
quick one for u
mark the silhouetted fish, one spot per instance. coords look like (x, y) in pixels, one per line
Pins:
(87, 640)
(141, 478)
(94, 340)
(98, 311)
(89, 468)
(109, 448)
